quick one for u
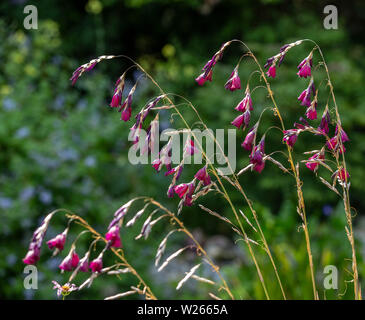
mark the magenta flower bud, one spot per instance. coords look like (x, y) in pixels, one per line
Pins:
(234, 81)
(113, 236)
(344, 136)
(58, 241)
(271, 72)
(189, 195)
(238, 122)
(311, 164)
(116, 100)
(343, 175)
(312, 112)
(170, 192)
(84, 263)
(96, 265)
(333, 145)
(70, 262)
(250, 137)
(305, 98)
(203, 77)
(126, 114)
(181, 189)
(157, 164)
(202, 175)
(305, 67)
(245, 103)
(32, 256)
(290, 137)
(324, 126)
(257, 156)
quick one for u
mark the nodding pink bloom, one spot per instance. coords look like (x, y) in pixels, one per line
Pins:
(190, 147)
(234, 81)
(305, 67)
(250, 137)
(290, 137)
(344, 136)
(245, 103)
(305, 96)
(58, 241)
(96, 265)
(170, 192)
(70, 262)
(202, 175)
(333, 145)
(84, 263)
(272, 71)
(32, 256)
(238, 122)
(342, 175)
(257, 156)
(312, 111)
(116, 100)
(181, 189)
(324, 126)
(126, 114)
(204, 77)
(312, 164)
(242, 120)
(113, 236)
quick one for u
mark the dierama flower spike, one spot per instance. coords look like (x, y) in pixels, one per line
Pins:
(34, 250)
(207, 70)
(234, 82)
(87, 67)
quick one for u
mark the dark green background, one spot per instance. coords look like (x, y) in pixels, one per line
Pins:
(64, 147)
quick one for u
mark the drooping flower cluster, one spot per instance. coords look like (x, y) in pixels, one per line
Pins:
(207, 70)
(278, 59)
(87, 67)
(35, 245)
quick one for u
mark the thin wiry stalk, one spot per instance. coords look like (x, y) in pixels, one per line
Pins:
(301, 205)
(199, 247)
(345, 186)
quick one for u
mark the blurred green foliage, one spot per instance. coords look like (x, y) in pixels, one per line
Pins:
(64, 147)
